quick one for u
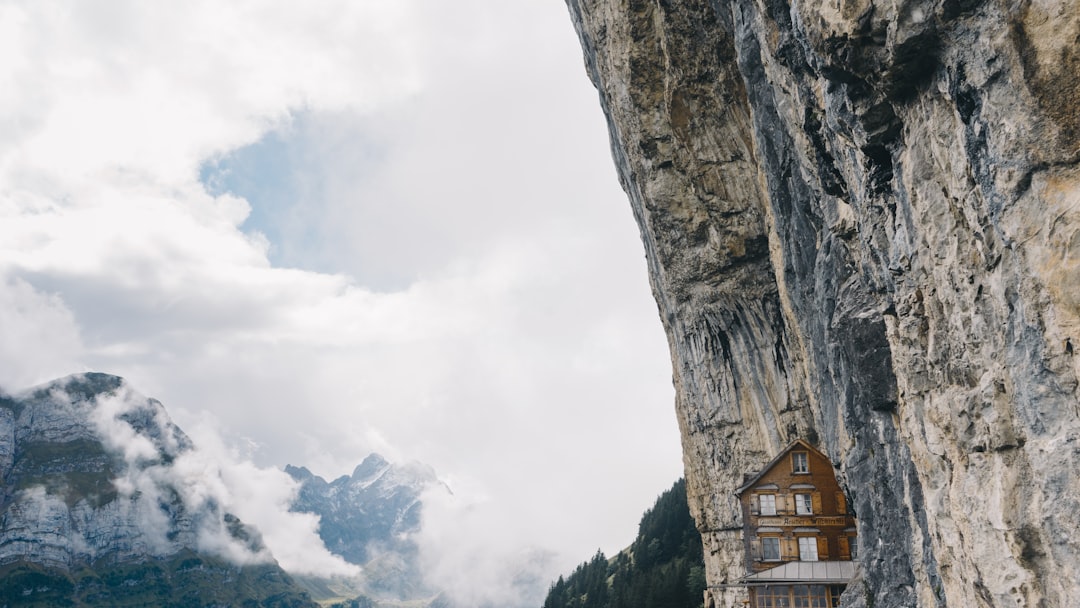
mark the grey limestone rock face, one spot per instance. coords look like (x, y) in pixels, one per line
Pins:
(862, 225)
(84, 463)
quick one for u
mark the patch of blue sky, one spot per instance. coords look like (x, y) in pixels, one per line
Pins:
(284, 177)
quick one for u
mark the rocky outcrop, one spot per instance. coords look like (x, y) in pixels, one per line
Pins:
(375, 509)
(95, 508)
(862, 224)
(371, 519)
(65, 444)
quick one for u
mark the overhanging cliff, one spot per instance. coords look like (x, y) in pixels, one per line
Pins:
(862, 223)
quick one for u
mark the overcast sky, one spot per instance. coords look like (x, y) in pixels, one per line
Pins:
(335, 227)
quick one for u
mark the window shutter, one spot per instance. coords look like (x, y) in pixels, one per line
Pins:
(815, 501)
(845, 548)
(755, 550)
(754, 505)
(789, 549)
(841, 503)
(822, 548)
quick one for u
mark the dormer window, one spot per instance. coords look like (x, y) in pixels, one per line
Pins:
(800, 464)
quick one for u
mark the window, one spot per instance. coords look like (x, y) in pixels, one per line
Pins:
(808, 548)
(801, 596)
(768, 504)
(797, 596)
(819, 597)
(853, 546)
(770, 548)
(834, 596)
(809, 596)
(804, 504)
(773, 597)
(799, 462)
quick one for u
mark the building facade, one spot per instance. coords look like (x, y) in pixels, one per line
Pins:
(798, 533)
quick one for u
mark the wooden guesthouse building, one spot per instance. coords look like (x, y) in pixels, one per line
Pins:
(798, 533)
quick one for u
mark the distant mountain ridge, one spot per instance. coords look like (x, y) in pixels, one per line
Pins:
(91, 512)
(379, 504)
(59, 459)
(370, 518)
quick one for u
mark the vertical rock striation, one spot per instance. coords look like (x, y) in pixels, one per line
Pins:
(862, 225)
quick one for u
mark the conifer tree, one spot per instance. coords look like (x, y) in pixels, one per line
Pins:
(663, 568)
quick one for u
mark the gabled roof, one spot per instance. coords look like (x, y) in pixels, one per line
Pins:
(798, 443)
(819, 573)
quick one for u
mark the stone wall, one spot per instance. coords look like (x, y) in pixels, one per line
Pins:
(862, 223)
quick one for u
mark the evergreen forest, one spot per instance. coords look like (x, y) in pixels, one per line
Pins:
(663, 568)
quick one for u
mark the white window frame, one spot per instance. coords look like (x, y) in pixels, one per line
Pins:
(770, 501)
(770, 540)
(804, 504)
(800, 458)
(808, 549)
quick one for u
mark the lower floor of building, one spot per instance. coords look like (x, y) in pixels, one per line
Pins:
(795, 596)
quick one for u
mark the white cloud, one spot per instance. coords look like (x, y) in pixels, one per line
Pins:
(468, 566)
(210, 480)
(261, 496)
(40, 336)
(487, 310)
(119, 436)
(121, 89)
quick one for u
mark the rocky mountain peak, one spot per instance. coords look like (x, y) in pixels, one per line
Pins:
(371, 518)
(379, 504)
(299, 473)
(94, 490)
(85, 466)
(371, 467)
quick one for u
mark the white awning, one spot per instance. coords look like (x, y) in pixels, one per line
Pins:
(809, 573)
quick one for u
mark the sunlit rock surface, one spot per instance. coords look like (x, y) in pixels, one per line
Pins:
(862, 224)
